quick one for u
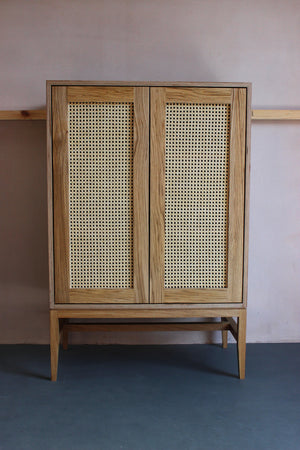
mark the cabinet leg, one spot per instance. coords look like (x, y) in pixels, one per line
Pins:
(54, 343)
(241, 343)
(224, 335)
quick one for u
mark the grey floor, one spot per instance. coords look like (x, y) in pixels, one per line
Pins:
(150, 397)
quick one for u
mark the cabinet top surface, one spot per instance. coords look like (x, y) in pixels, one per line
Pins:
(146, 83)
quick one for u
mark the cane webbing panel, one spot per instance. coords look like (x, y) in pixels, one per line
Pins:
(101, 194)
(196, 197)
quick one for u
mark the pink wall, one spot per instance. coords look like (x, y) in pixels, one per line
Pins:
(210, 40)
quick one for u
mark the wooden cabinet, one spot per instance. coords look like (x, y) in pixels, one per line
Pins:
(148, 204)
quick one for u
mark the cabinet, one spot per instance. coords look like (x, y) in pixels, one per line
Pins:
(148, 204)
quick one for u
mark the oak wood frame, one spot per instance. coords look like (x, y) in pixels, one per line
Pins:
(61, 312)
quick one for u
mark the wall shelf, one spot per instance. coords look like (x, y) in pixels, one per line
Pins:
(256, 114)
(30, 114)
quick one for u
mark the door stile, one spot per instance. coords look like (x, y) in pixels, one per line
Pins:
(157, 194)
(141, 195)
(60, 193)
(236, 195)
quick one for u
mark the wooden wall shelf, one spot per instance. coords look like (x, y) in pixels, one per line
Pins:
(30, 114)
(275, 114)
(256, 114)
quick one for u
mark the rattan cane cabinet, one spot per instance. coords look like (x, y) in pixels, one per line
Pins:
(148, 206)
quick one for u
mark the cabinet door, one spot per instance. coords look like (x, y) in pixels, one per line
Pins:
(100, 144)
(197, 194)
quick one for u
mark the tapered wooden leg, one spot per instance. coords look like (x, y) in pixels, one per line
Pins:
(241, 343)
(224, 335)
(54, 343)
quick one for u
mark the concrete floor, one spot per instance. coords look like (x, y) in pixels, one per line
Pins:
(181, 397)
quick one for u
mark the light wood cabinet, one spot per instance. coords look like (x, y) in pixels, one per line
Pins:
(148, 204)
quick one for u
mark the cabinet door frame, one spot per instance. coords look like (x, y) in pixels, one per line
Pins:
(237, 98)
(58, 195)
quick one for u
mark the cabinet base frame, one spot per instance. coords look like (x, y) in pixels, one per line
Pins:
(60, 327)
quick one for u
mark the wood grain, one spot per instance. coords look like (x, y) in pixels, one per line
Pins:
(60, 193)
(121, 303)
(198, 95)
(102, 295)
(54, 343)
(236, 201)
(195, 295)
(138, 312)
(224, 332)
(236, 196)
(141, 195)
(140, 291)
(157, 195)
(145, 327)
(149, 306)
(100, 94)
(233, 327)
(256, 114)
(27, 114)
(50, 197)
(275, 114)
(247, 196)
(241, 343)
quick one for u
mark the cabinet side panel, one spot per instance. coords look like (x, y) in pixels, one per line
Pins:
(60, 193)
(247, 194)
(50, 197)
